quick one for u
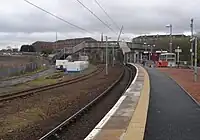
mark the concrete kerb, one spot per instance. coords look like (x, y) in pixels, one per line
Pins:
(136, 127)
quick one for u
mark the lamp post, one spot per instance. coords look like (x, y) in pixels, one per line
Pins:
(152, 48)
(170, 42)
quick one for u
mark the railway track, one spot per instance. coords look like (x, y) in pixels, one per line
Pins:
(57, 132)
(32, 91)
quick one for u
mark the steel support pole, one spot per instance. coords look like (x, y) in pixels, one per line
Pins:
(170, 43)
(113, 52)
(150, 52)
(192, 42)
(127, 58)
(195, 60)
(64, 53)
(106, 55)
(56, 46)
(178, 55)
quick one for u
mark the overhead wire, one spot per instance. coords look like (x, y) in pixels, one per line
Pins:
(101, 7)
(95, 16)
(76, 26)
(111, 19)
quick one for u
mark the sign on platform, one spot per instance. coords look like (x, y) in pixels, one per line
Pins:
(178, 50)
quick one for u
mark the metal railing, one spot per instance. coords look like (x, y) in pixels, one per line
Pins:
(17, 70)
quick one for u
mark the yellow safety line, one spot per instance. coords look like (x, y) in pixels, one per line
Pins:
(136, 128)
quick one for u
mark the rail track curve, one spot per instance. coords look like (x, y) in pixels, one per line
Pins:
(54, 133)
(32, 91)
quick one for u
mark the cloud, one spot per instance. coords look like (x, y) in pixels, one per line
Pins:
(22, 23)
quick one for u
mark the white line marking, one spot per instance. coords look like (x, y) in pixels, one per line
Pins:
(92, 134)
(110, 113)
(137, 71)
(128, 90)
(100, 125)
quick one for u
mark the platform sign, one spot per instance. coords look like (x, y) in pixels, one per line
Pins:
(178, 50)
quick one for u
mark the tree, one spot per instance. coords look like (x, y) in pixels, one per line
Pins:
(47, 51)
(27, 48)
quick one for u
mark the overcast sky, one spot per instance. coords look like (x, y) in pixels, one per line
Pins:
(21, 23)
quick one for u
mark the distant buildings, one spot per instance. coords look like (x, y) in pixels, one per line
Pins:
(10, 50)
(150, 39)
(40, 46)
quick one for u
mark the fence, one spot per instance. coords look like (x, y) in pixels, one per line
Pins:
(16, 70)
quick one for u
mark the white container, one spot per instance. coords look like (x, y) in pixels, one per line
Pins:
(76, 66)
(61, 63)
(83, 64)
(73, 67)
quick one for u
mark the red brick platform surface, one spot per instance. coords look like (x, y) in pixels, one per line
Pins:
(185, 78)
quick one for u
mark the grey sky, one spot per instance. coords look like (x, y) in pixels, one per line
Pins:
(21, 23)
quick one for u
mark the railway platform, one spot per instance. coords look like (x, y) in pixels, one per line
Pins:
(127, 119)
(172, 114)
(168, 113)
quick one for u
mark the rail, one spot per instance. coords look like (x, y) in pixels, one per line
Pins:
(54, 131)
(48, 87)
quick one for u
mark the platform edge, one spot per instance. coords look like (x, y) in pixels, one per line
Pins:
(136, 127)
